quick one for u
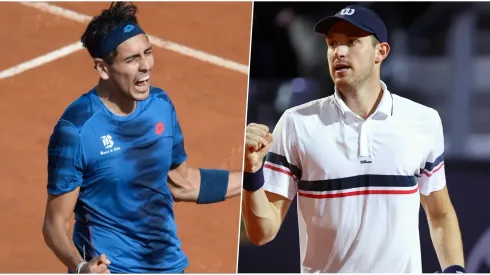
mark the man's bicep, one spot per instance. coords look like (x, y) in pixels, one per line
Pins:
(183, 177)
(432, 172)
(181, 169)
(179, 155)
(60, 207)
(65, 159)
(437, 203)
(281, 203)
(282, 166)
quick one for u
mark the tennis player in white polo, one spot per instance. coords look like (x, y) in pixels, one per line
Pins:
(361, 162)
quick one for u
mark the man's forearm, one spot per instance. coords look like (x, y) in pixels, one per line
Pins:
(188, 186)
(446, 237)
(56, 237)
(234, 184)
(261, 218)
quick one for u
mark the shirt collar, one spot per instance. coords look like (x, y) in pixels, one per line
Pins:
(383, 110)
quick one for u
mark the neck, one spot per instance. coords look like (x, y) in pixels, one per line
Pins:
(116, 101)
(362, 99)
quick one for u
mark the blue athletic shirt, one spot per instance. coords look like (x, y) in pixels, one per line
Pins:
(121, 163)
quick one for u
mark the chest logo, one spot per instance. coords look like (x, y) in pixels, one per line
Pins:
(108, 144)
(159, 128)
(107, 141)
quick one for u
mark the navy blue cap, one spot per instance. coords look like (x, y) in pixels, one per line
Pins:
(361, 17)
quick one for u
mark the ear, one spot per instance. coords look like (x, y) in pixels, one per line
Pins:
(382, 51)
(102, 68)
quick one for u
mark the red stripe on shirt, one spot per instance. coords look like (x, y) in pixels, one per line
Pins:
(358, 193)
(429, 174)
(277, 169)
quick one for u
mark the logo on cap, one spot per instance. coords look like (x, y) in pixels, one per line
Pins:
(347, 11)
(128, 28)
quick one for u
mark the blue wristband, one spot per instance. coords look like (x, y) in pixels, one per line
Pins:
(214, 184)
(253, 181)
(454, 269)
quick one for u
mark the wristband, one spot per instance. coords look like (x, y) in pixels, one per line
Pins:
(80, 265)
(253, 181)
(214, 184)
(454, 269)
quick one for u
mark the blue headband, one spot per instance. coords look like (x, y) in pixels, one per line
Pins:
(117, 36)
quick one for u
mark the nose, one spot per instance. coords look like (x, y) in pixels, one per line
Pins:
(144, 64)
(341, 51)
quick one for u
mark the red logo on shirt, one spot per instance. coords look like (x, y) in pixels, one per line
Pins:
(159, 128)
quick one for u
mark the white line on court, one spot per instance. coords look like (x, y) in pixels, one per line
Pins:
(68, 14)
(213, 59)
(43, 59)
(159, 42)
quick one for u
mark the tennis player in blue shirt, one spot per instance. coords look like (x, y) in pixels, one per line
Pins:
(117, 159)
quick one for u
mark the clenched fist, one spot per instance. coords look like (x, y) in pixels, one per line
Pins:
(97, 265)
(257, 145)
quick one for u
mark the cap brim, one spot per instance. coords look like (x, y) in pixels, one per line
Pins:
(324, 25)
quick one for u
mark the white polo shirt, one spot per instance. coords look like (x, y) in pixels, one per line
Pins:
(358, 181)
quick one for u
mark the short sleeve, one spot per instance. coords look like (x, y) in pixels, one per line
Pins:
(282, 166)
(432, 175)
(65, 159)
(179, 154)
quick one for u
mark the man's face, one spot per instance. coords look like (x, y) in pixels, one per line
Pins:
(351, 54)
(131, 68)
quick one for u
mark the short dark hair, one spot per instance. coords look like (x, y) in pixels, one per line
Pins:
(374, 40)
(118, 13)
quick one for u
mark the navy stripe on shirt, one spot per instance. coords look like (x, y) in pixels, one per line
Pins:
(357, 182)
(282, 161)
(429, 166)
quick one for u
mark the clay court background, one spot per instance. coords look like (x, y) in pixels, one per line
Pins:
(210, 102)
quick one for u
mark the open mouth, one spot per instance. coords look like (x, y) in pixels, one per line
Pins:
(142, 84)
(341, 67)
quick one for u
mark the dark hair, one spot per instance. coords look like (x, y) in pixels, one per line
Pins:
(374, 40)
(105, 22)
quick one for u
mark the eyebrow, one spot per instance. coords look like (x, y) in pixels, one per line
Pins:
(136, 55)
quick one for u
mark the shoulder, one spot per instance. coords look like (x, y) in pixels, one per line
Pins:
(305, 112)
(159, 99)
(159, 94)
(415, 110)
(300, 116)
(311, 107)
(79, 112)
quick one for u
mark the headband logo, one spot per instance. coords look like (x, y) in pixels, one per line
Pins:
(128, 28)
(347, 11)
